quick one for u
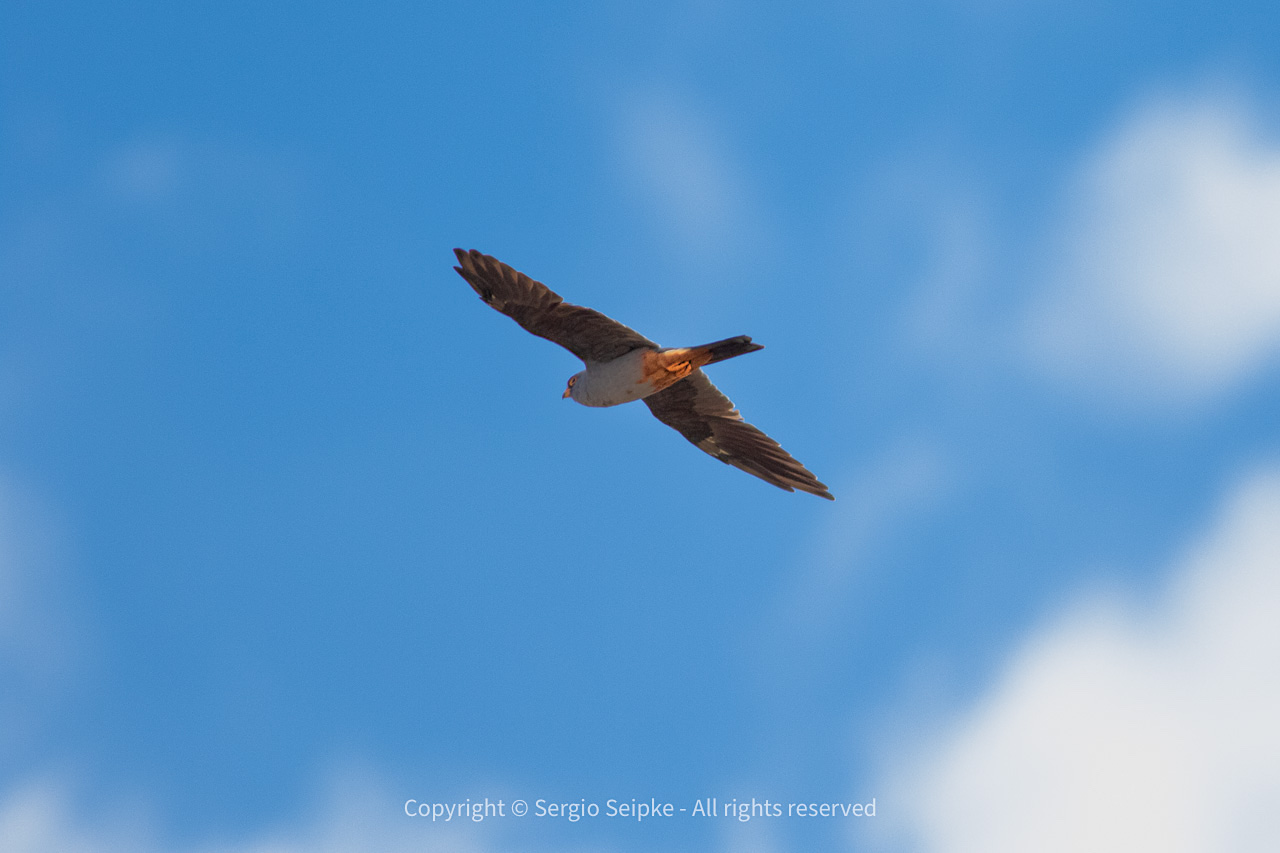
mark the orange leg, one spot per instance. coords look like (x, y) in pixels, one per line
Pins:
(680, 368)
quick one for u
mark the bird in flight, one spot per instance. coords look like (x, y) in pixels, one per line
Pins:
(622, 365)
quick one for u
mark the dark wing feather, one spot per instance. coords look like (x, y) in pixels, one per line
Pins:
(697, 410)
(588, 334)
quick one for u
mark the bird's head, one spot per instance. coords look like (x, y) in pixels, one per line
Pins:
(568, 391)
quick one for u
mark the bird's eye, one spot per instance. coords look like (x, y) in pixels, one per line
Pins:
(572, 379)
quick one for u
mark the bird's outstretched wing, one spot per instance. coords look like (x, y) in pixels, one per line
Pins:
(588, 334)
(697, 410)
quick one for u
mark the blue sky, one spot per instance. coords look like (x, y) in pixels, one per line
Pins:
(294, 529)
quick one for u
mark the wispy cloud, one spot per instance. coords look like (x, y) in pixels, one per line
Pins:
(1165, 272)
(906, 482)
(684, 168)
(1126, 727)
(356, 813)
(900, 488)
(212, 191)
(40, 642)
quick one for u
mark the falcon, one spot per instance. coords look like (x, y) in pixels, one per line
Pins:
(622, 365)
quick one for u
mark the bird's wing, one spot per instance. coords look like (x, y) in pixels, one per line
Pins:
(697, 410)
(588, 334)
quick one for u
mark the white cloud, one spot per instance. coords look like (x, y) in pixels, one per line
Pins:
(22, 595)
(1166, 271)
(944, 313)
(683, 167)
(357, 813)
(104, 259)
(906, 481)
(39, 624)
(211, 192)
(1127, 727)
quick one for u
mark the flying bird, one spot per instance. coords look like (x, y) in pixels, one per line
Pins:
(622, 365)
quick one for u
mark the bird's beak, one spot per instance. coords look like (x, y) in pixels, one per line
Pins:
(566, 393)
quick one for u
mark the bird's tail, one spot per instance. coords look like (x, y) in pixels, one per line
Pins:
(728, 348)
(679, 362)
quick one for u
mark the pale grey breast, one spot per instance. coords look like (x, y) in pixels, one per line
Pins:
(612, 383)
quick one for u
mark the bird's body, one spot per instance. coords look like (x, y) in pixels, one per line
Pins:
(623, 366)
(612, 383)
(645, 371)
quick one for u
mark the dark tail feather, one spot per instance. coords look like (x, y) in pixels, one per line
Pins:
(729, 348)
